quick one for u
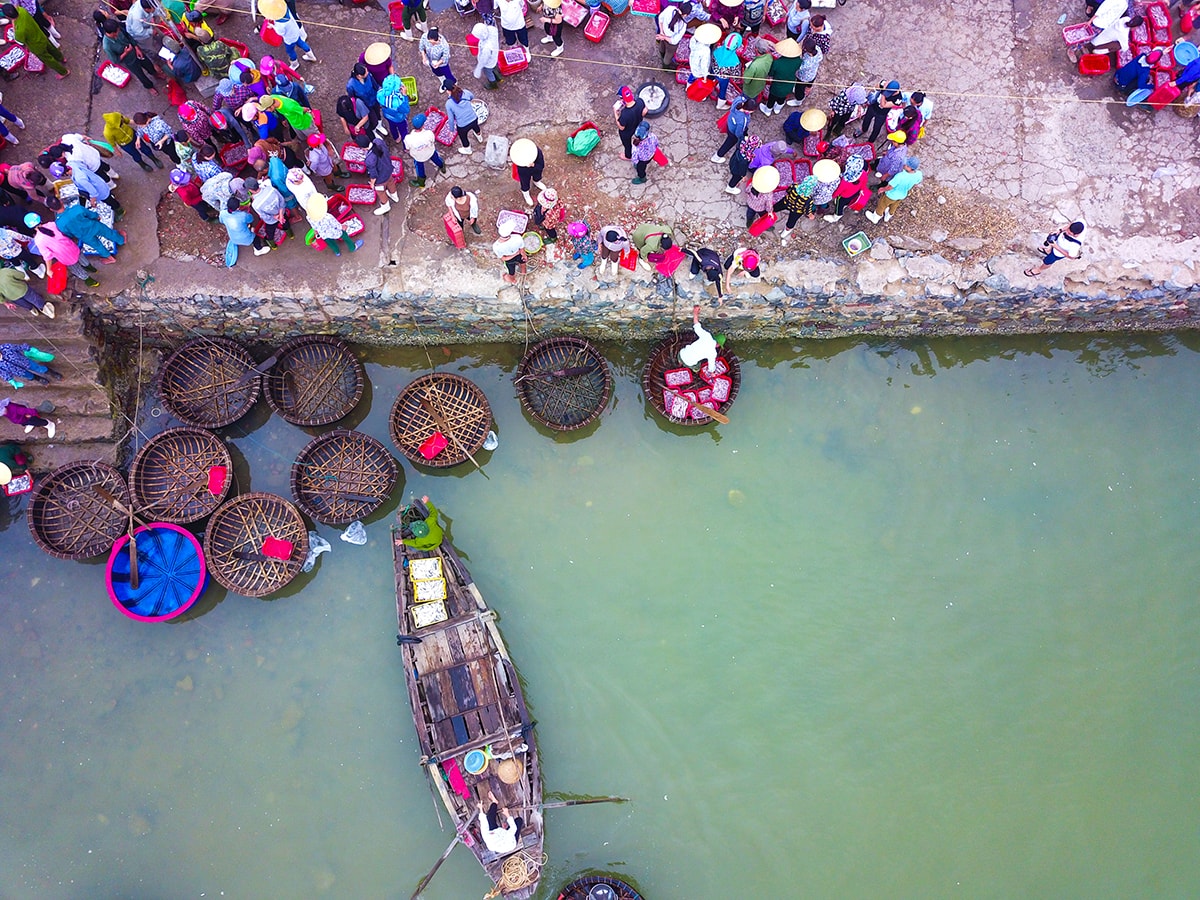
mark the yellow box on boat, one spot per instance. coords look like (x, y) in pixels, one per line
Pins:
(424, 569)
(429, 614)
(429, 589)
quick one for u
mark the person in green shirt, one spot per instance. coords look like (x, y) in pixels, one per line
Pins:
(29, 34)
(297, 116)
(427, 534)
(15, 458)
(783, 76)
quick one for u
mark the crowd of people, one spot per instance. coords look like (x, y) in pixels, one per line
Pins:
(61, 210)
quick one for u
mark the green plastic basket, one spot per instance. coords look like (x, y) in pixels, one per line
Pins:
(410, 85)
(856, 243)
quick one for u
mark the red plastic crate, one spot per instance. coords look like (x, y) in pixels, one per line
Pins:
(677, 378)
(722, 368)
(596, 27)
(439, 123)
(645, 7)
(397, 168)
(1094, 64)
(339, 207)
(117, 76)
(360, 194)
(513, 59)
(233, 155)
(353, 224)
(13, 58)
(354, 157)
(722, 386)
(573, 13)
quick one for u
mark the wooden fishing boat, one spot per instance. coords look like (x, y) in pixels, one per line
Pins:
(472, 725)
(677, 394)
(599, 887)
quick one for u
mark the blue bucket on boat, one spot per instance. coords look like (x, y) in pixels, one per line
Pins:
(475, 762)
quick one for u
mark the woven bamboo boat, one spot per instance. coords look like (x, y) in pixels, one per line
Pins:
(440, 404)
(316, 380)
(599, 887)
(342, 476)
(564, 383)
(664, 364)
(69, 514)
(210, 382)
(245, 539)
(181, 475)
(473, 727)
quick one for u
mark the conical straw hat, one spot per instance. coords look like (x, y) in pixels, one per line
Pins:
(509, 771)
(787, 47)
(708, 33)
(523, 152)
(377, 53)
(827, 171)
(813, 119)
(766, 179)
(272, 9)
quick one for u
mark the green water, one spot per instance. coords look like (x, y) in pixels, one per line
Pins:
(920, 622)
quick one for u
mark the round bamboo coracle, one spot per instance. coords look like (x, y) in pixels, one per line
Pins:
(342, 476)
(244, 535)
(665, 357)
(210, 382)
(440, 403)
(564, 383)
(69, 514)
(316, 380)
(181, 475)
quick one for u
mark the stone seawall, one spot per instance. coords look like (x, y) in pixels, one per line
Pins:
(894, 292)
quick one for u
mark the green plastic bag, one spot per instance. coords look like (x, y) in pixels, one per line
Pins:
(583, 142)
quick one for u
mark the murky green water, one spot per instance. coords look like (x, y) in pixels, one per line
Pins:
(920, 622)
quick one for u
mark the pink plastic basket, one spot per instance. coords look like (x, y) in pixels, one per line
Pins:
(355, 157)
(115, 75)
(360, 194)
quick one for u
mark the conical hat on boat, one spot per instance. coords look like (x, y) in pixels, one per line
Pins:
(509, 771)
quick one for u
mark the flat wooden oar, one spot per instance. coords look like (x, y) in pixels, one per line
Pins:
(250, 556)
(261, 369)
(559, 804)
(445, 427)
(120, 507)
(424, 882)
(707, 410)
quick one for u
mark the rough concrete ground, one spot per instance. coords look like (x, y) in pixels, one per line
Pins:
(1019, 143)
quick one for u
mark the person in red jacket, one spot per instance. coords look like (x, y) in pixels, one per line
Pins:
(187, 187)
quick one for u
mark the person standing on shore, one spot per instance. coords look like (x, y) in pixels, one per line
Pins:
(508, 250)
(671, 26)
(29, 34)
(512, 22)
(463, 117)
(628, 112)
(898, 188)
(421, 144)
(552, 21)
(464, 205)
(25, 416)
(1061, 244)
